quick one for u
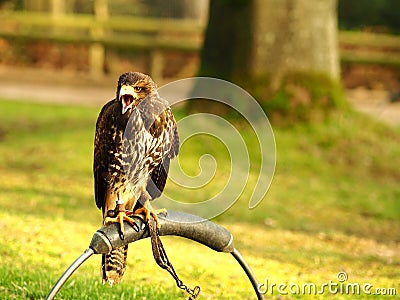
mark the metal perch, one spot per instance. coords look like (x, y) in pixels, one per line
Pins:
(175, 223)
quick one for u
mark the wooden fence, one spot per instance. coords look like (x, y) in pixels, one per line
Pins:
(155, 36)
(150, 34)
(369, 48)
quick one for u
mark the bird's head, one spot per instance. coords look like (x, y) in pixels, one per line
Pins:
(133, 87)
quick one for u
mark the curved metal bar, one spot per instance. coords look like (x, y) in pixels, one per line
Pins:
(239, 258)
(180, 224)
(67, 274)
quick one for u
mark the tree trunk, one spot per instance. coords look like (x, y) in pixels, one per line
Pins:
(227, 39)
(294, 36)
(284, 52)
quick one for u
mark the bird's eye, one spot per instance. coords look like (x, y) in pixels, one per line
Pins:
(137, 89)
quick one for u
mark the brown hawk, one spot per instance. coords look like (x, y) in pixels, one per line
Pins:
(136, 136)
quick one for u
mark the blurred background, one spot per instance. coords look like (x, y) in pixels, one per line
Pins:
(92, 40)
(326, 73)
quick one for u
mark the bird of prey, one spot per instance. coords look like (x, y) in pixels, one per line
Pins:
(136, 137)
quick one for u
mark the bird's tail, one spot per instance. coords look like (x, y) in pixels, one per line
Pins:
(113, 265)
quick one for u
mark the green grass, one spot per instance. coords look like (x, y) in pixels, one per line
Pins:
(334, 205)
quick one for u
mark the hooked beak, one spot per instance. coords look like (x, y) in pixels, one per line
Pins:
(128, 96)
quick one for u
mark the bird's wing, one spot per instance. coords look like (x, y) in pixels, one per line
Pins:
(159, 119)
(174, 150)
(100, 160)
(159, 176)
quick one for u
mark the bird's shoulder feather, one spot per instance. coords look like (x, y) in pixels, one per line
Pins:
(100, 159)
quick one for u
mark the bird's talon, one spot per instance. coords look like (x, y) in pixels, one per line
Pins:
(136, 227)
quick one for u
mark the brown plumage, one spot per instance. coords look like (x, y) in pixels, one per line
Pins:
(136, 137)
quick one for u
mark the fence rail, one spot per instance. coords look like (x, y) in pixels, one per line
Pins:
(158, 35)
(369, 48)
(151, 34)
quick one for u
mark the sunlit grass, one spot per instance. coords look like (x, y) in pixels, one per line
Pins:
(333, 206)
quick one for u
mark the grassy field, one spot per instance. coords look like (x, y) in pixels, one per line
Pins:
(334, 206)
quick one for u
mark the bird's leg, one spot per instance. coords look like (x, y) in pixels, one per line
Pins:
(119, 215)
(147, 210)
